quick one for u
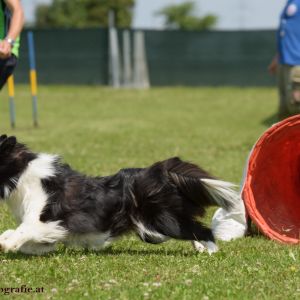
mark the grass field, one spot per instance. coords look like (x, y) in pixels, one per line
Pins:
(99, 131)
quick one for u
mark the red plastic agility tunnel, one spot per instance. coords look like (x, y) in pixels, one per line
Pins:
(271, 190)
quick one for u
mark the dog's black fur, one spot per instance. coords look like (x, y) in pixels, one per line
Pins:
(167, 197)
(14, 158)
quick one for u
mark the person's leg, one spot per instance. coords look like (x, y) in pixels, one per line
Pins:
(283, 90)
(289, 90)
(295, 79)
(7, 67)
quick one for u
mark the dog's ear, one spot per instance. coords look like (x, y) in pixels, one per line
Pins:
(3, 137)
(7, 144)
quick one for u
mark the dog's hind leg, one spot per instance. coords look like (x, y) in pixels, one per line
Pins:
(170, 227)
(149, 233)
(152, 238)
(202, 246)
(202, 237)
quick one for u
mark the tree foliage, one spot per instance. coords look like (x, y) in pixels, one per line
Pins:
(181, 17)
(83, 13)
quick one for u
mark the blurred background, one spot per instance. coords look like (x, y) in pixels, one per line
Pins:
(197, 42)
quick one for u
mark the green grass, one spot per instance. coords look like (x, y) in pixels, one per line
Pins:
(98, 131)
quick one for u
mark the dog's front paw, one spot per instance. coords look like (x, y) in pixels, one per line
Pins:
(5, 247)
(6, 234)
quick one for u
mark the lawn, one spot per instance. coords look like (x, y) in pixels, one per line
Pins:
(100, 130)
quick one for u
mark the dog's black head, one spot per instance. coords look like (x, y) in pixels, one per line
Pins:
(14, 158)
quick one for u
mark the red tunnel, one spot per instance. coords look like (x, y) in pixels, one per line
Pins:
(271, 189)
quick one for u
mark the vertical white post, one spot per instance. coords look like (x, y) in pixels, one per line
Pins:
(127, 66)
(114, 56)
(140, 71)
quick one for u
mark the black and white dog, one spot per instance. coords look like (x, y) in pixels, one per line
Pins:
(53, 203)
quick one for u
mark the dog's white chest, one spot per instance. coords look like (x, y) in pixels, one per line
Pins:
(16, 206)
(29, 198)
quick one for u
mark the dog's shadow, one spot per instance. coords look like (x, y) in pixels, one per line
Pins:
(270, 120)
(17, 256)
(105, 252)
(146, 252)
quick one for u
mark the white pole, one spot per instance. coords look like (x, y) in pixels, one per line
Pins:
(127, 66)
(114, 56)
(140, 71)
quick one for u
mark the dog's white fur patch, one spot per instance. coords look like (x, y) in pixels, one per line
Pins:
(198, 246)
(27, 202)
(202, 246)
(6, 234)
(144, 231)
(210, 246)
(6, 191)
(28, 199)
(221, 190)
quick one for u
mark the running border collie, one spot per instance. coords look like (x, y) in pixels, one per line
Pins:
(53, 203)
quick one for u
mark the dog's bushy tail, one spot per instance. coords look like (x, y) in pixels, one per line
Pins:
(199, 186)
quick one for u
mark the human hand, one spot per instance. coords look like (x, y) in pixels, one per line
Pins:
(272, 68)
(5, 49)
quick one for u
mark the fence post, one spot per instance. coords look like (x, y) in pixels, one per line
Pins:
(127, 65)
(140, 71)
(114, 55)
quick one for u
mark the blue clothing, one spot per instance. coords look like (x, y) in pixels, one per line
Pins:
(288, 35)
